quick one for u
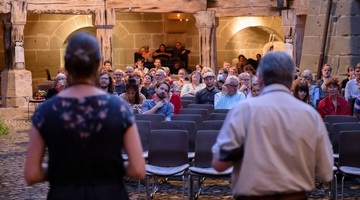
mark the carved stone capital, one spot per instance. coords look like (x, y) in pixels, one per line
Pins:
(205, 19)
(18, 12)
(104, 18)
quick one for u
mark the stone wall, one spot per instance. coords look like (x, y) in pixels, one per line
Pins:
(342, 48)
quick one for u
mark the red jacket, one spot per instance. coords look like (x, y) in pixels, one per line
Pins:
(326, 107)
(176, 101)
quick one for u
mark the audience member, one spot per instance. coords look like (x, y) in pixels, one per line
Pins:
(221, 78)
(107, 66)
(241, 64)
(161, 52)
(62, 70)
(106, 83)
(59, 85)
(207, 95)
(352, 88)
(80, 135)
(194, 86)
(334, 104)
(176, 68)
(351, 75)
(233, 71)
(139, 66)
(301, 91)
(244, 79)
(198, 68)
(177, 85)
(152, 73)
(251, 71)
(229, 96)
(129, 70)
(160, 75)
(274, 154)
(307, 75)
(179, 52)
(206, 69)
(132, 94)
(119, 83)
(255, 90)
(320, 90)
(258, 57)
(226, 65)
(147, 82)
(157, 64)
(146, 54)
(175, 100)
(159, 105)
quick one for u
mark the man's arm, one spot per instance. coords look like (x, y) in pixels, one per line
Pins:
(152, 110)
(218, 165)
(324, 154)
(197, 98)
(347, 90)
(169, 111)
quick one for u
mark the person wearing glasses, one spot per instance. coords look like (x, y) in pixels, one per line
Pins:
(229, 95)
(244, 79)
(190, 89)
(119, 83)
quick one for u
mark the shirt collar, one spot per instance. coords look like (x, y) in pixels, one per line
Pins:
(275, 87)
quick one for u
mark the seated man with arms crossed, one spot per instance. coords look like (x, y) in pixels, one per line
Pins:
(159, 105)
(229, 96)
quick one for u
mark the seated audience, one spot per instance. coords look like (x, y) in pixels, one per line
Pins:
(207, 95)
(132, 94)
(301, 90)
(152, 73)
(146, 54)
(258, 57)
(206, 69)
(198, 68)
(159, 105)
(194, 86)
(320, 89)
(139, 66)
(157, 63)
(226, 65)
(351, 75)
(175, 100)
(307, 75)
(333, 104)
(221, 78)
(106, 83)
(161, 52)
(229, 96)
(160, 75)
(255, 90)
(177, 85)
(179, 52)
(244, 79)
(176, 68)
(167, 72)
(241, 64)
(251, 71)
(146, 83)
(129, 70)
(107, 66)
(233, 71)
(59, 85)
(119, 82)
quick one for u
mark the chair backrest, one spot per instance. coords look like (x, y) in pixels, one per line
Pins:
(221, 111)
(205, 139)
(144, 128)
(168, 148)
(331, 119)
(203, 112)
(136, 111)
(217, 116)
(337, 128)
(188, 126)
(349, 149)
(208, 107)
(352, 104)
(192, 99)
(185, 103)
(189, 117)
(212, 125)
(155, 119)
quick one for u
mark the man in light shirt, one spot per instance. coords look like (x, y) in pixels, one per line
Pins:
(352, 87)
(229, 96)
(274, 154)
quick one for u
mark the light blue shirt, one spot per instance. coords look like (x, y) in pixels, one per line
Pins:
(167, 109)
(352, 89)
(224, 101)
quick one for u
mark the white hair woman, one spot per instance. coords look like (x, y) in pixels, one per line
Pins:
(59, 85)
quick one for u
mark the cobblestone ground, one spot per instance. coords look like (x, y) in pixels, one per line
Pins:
(13, 187)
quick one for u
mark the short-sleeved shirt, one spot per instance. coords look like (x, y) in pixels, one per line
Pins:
(352, 89)
(167, 109)
(206, 96)
(84, 138)
(224, 101)
(119, 89)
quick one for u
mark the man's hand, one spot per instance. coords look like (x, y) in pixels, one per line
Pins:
(184, 51)
(224, 89)
(243, 88)
(159, 104)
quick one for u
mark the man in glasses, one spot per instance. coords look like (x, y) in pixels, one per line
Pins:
(229, 96)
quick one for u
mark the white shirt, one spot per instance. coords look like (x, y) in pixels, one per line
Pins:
(224, 101)
(352, 89)
(285, 141)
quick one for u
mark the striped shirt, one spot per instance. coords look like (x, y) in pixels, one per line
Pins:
(352, 89)
(357, 106)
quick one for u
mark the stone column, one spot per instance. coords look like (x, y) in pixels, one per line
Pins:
(294, 27)
(104, 21)
(16, 82)
(206, 23)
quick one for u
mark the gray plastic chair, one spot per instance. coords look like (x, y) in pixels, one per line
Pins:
(155, 119)
(185, 103)
(203, 112)
(192, 99)
(225, 111)
(188, 126)
(217, 116)
(208, 107)
(337, 128)
(189, 117)
(212, 124)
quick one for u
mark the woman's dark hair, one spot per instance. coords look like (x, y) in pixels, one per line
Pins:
(111, 88)
(334, 81)
(163, 46)
(82, 57)
(301, 84)
(131, 85)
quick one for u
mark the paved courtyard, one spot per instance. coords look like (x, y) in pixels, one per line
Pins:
(12, 158)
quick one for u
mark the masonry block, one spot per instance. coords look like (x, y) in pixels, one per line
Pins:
(152, 16)
(144, 27)
(16, 87)
(314, 7)
(315, 25)
(38, 42)
(35, 28)
(312, 44)
(347, 61)
(345, 45)
(171, 26)
(348, 25)
(141, 40)
(48, 58)
(127, 42)
(56, 43)
(156, 40)
(309, 62)
(129, 16)
(347, 8)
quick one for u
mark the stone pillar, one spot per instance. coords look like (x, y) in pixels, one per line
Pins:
(16, 82)
(206, 23)
(294, 27)
(104, 21)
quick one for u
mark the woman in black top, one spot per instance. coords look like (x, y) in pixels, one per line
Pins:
(59, 85)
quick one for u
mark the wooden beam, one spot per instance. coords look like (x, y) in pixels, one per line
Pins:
(158, 6)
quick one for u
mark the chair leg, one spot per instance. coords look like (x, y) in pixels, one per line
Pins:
(183, 193)
(147, 187)
(342, 188)
(191, 187)
(139, 189)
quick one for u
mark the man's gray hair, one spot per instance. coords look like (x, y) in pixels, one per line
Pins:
(277, 67)
(231, 78)
(307, 74)
(244, 75)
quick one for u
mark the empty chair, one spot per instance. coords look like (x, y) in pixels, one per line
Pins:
(192, 99)
(205, 139)
(189, 126)
(212, 124)
(189, 117)
(155, 119)
(144, 128)
(208, 107)
(331, 119)
(217, 116)
(168, 155)
(221, 111)
(337, 128)
(203, 112)
(349, 159)
(185, 103)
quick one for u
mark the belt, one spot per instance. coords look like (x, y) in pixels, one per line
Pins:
(278, 196)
